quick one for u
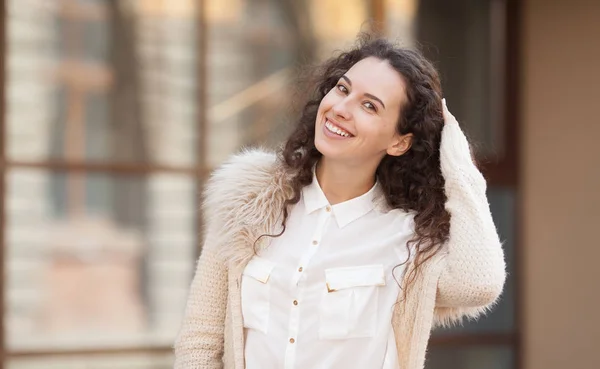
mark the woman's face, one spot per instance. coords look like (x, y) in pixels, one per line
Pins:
(356, 121)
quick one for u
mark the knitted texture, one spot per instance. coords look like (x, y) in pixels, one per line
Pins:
(244, 199)
(475, 272)
(201, 340)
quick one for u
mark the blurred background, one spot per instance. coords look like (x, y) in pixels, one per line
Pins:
(114, 113)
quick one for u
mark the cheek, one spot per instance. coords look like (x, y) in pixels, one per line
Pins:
(375, 130)
(328, 101)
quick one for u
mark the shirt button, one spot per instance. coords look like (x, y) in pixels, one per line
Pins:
(292, 340)
(300, 269)
(315, 242)
(328, 208)
(295, 302)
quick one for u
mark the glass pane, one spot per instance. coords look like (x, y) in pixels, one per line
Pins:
(253, 50)
(462, 38)
(102, 81)
(336, 23)
(96, 40)
(95, 260)
(502, 317)
(95, 36)
(465, 38)
(128, 361)
(477, 357)
(400, 19)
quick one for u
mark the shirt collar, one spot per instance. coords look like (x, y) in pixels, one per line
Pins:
(345, 212)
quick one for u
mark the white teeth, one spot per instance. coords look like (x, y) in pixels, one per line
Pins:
(336, 130)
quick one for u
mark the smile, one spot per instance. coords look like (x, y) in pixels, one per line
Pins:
(336, 130)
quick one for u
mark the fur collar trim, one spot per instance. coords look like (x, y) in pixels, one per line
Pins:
(243, 200)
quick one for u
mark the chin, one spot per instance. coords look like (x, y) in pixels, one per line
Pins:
(319, 144)
(326, 149)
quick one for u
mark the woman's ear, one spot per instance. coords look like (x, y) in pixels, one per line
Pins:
(400, 144)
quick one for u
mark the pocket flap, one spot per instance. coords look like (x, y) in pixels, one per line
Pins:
(358, 276)
(259, 269)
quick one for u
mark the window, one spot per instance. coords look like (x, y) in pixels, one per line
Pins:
(117, 110)
(101, 180)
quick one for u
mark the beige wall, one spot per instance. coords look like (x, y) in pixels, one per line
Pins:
(560, 123)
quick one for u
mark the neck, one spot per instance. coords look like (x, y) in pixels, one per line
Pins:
(341, 182)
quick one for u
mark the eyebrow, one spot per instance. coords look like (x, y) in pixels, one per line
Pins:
(366, 94)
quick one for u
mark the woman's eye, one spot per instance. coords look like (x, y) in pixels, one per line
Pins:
(342, 88)
(370, 106)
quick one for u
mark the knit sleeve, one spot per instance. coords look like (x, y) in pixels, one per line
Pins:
(200, 342)
(474, 271)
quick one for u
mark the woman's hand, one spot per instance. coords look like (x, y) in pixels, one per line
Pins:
(448, 117)
(450, 121)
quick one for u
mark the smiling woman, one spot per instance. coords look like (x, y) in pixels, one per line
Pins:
(368, 228)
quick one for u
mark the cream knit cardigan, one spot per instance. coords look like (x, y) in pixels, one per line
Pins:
(243, 200)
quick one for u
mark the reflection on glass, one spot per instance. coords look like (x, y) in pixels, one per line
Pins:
(477, 357)
(128, 361)
(461, 37)
(336, 23)
(102, 81)
(97, 261)
(400, 20)
(254, 51)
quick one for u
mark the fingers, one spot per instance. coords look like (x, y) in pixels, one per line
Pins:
(448, 117)
(445, 109)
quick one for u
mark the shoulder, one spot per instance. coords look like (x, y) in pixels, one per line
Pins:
(239, 178)
(249, 167)
(242, 200)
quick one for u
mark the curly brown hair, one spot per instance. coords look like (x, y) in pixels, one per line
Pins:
(412, 181)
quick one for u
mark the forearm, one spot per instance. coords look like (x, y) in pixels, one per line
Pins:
(199, 344)
(475, 271)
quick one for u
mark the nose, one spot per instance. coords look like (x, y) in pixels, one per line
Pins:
(342, 110)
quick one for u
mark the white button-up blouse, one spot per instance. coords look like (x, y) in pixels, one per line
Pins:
(321, 295)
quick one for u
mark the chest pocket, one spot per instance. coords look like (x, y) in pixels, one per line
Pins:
(350, 307)
(256, 294)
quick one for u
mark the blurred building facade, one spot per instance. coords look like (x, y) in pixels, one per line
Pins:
(116, 111)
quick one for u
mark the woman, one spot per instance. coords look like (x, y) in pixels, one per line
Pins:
(369, 228)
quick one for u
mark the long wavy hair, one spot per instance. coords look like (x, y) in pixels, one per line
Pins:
(412, 181)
